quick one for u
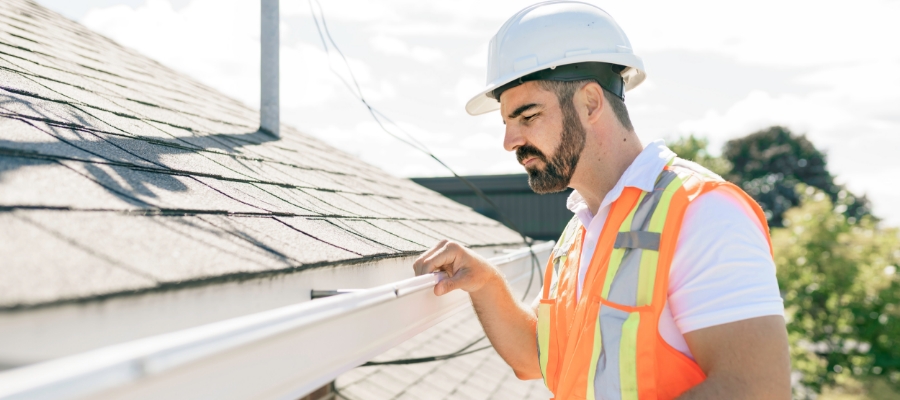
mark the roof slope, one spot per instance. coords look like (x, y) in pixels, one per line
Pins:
(119, 175)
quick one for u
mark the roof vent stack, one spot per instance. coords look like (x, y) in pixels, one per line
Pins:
(269, 104)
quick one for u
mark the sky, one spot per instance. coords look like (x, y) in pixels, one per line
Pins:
(716, 69)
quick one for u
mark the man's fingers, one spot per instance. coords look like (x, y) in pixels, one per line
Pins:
(443, 287)
(419, 265)
(444, 259)
(448, 284)
(450, 257)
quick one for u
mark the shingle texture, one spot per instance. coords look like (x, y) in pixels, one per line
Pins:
(475, 376)
(118, 174)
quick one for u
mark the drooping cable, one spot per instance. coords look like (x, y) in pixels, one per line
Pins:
(410, 140)
(460, 352)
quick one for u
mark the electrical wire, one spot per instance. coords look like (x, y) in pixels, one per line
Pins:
(460, 352)
(411, 141)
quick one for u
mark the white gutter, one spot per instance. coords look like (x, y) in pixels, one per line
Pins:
(283, 353)
(269, 118)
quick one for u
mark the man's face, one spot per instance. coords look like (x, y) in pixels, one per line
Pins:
(548, 138)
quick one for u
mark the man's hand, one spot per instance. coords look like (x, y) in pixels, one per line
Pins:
(509, 325)
(465, 269)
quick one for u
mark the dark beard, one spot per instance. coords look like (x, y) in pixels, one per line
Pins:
(558, 171)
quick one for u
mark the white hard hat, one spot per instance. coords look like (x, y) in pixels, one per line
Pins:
(550, 34)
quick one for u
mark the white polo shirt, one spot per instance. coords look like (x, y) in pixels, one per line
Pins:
(721, 271)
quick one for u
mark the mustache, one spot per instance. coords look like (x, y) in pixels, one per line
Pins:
(528, 150)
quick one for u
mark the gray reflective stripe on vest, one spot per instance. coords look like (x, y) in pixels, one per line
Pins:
(648, 205)
(624, 288)
(607, 384)
(638, 240)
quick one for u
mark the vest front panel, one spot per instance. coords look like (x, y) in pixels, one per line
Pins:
(607, 344)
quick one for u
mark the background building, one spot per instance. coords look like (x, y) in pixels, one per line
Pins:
(541, 217)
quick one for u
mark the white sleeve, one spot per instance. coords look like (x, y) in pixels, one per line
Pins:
(722, 270)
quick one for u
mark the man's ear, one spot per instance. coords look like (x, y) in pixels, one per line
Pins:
(593, 100)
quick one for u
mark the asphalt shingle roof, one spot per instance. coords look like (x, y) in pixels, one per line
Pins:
(118, 175)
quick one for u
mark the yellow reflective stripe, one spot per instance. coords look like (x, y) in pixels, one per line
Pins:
(563, 237)
(662, 209)
(567, 234)
(561, 246)
(647, 277)
(628, 357)
(595, 355)
(544, 338)
(626, 224)
(650, 258)
(615, 259)
(554, 285)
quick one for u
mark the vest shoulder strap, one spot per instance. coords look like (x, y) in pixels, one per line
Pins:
(559, 255)
(695, 181)
(643, 242)
(566, 238)
(691, 167)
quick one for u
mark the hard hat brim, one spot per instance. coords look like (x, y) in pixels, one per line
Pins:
(482, 103)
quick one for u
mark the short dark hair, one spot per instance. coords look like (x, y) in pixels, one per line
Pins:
(565, 91)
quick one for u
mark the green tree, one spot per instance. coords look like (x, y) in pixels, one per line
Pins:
(839, 281)
(695, 149)
(837, 268)
(768, 165)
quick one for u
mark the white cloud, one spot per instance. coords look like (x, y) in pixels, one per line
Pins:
(482, 141)
(303, 61)
(217, 42)
(467, 87)
(765, 32)
(431, 29)
(393, 46)
(479, 59)
(389, 45)
(843, 99)
(759, 110)
(858, 126)
(419, 62)
(202, 40)
(353, 10)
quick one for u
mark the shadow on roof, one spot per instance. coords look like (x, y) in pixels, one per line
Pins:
(121, 155)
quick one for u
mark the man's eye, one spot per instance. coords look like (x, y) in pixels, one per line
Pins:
(530, 117)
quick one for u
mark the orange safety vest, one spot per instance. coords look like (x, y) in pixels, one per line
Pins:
(606, 345)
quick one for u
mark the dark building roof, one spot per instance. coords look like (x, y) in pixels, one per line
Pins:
(539, 216)
(119, 175)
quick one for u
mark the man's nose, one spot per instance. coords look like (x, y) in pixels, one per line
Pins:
(513, 138)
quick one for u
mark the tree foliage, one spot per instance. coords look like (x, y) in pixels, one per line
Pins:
(837, 268)
(769, 164)
(841, 291)
(695, 149)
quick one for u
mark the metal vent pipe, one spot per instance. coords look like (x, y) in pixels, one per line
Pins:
(269, 118)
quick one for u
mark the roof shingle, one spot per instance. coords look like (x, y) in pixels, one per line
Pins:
(118, 174)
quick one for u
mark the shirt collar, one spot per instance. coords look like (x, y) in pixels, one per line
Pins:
(642, 174)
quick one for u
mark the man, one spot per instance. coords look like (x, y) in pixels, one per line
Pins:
(663, 284)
